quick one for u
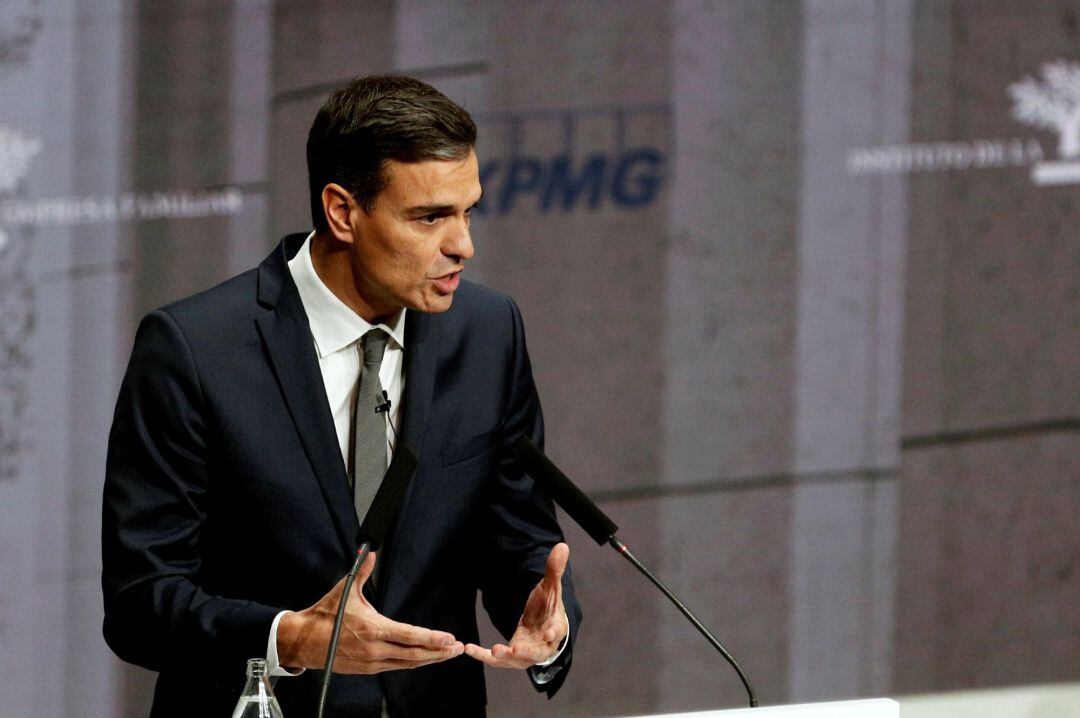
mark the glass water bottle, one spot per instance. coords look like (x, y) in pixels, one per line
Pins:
(257, 700)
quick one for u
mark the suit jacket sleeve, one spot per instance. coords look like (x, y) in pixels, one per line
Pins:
(157, 489)
(524, 526)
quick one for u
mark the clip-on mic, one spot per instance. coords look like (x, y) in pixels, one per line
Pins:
(385, 405)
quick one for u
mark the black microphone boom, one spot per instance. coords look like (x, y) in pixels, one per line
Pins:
(602, 530)
(389, 498)
(563, 491)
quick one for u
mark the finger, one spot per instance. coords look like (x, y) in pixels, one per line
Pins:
(415, 654)
(392, 665)
(381, 665)
(406, 634)
(480, 653)
(529, 652)
(483, 655)
(505, 659)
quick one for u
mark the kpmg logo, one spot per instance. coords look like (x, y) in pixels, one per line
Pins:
(1053, 104)
(1049, 103)
(584, 159)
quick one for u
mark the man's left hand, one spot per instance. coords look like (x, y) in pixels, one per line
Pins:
(543, 624)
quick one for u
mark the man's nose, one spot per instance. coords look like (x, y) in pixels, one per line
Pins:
(459, 241)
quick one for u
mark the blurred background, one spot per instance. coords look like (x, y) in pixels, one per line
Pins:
(801, 280)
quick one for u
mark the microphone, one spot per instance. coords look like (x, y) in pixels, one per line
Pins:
(602, 529)
(563, 492)
(385, 405)
(388, 500)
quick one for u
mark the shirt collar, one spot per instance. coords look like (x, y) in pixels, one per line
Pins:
(334, 325)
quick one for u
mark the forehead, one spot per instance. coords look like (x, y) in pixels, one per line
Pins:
(433, 182)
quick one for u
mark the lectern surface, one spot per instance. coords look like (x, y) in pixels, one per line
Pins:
(870, 708)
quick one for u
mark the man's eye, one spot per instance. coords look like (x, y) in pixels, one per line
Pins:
(429, 218)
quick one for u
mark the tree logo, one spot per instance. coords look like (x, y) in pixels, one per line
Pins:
(1053, 103)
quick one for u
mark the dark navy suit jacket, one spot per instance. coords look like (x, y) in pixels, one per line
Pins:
(227, 500)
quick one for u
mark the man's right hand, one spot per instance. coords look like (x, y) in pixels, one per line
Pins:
(369, 642)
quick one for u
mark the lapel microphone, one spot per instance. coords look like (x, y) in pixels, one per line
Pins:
(602, 529)
(384, 408)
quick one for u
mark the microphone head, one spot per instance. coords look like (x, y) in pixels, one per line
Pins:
(389, 497)
(563, 491)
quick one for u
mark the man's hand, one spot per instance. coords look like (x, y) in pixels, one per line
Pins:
(543, 624)
(369, 643)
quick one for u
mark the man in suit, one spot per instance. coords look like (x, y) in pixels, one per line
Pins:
(255, 421)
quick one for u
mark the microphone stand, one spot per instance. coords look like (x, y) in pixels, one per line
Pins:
(361, 554)
(625, 552)
(602, 530)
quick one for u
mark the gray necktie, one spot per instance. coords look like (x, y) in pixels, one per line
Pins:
(369, 427)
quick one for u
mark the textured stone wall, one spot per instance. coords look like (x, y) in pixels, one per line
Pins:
(988, 579)
(833, 404)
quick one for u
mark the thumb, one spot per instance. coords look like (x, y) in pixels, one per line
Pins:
(365, 571)
(556, 565)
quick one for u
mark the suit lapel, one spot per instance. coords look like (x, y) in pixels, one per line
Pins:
(287, 337)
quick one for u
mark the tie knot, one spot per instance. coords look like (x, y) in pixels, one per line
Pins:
(373, 346)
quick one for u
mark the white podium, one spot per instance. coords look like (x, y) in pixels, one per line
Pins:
(870, 708)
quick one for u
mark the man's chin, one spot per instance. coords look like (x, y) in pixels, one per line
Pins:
(434, 305)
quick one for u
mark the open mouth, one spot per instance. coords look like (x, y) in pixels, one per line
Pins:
(448, 283)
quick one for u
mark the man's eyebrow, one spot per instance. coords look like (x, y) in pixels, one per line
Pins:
(437, 208)
(430, 208)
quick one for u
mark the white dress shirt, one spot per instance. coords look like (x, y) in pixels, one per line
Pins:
(337, 330)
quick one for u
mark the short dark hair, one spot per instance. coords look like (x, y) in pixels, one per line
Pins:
(375, 119)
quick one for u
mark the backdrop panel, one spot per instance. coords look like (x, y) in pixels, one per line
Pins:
(800, 282)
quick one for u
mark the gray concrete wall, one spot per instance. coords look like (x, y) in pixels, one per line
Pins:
(63, 330)
(835, 410)
(987, 586)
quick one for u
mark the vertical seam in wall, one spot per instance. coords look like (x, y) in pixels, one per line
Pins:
(874, 243)
(866, 587)
(662, 460)
(793, 687)
(873, 358)
(942, 414)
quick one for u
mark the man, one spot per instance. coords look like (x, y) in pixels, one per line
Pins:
(256, 419)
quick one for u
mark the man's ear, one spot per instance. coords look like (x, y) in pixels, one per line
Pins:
(338, 204)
